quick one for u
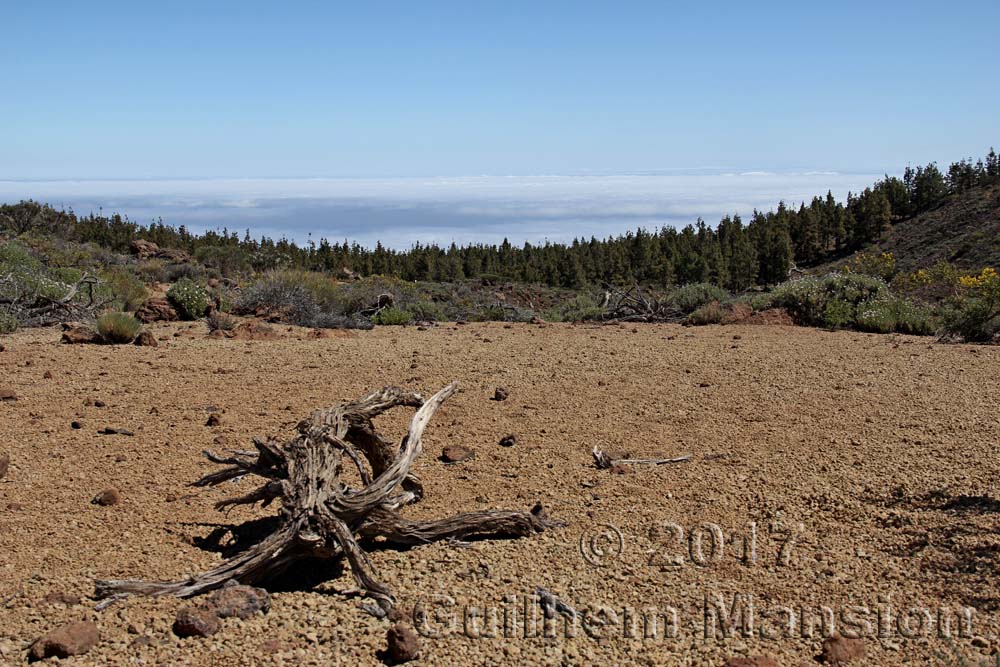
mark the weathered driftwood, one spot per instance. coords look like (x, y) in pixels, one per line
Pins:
(383, 301)
(321, 516)
(634, 306)
(603, 460)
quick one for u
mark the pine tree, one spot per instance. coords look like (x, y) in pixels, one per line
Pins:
(928, 188)
(993, 166)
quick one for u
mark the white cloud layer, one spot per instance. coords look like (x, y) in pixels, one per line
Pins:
(402, 211)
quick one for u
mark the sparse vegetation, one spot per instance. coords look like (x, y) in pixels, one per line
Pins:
(888, 314)
(301, 298)
(710, 313)
(392, 316)
(220, 321)
(973, 313)
(118, 328)
(580, 308)
(8, 323)
(33, 294)
(829, 300)
(426, 311)
(731, 255)
(880, 265)
(61, 264)
(848, 300)
(690, 298)
(127, 291)
(491, 313)
(278, 296)
(188, 298)
(331, 321)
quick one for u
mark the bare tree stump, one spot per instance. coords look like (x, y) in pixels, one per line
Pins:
(321, 516)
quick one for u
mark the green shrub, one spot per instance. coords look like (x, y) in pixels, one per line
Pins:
(974, 312)
(913, 318)
(494, 313)
(8, 323)
(759, 302)
(28, 283)
(710, 313)
(491, 279)
(584, 315)
(581, 308)
(152, 270)
(118, 328)
(188, 299)
(324, 290)
(392, 316)
(875, 319)
(426, 311)
(222, 296)
(61, 252)
(302, 292)
(65, 274)
(518, 314)
(278, 294)
(28, 280)
(849, 300)
(15, 255)
(303, 298)
(127, 291)
(228, 260)
(177, 272)
(838, 314)
(219, 321)
(829, 300)
(880, 265)
(351, 298)
(974, 319)
(332, 321)
(499, 312)
(689, 298)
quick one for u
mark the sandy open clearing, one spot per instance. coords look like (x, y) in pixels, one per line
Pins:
(867, 466)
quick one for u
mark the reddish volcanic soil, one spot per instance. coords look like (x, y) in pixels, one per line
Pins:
(865, 466)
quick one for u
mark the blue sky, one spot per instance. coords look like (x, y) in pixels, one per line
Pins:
(255, 89)
(472, 121)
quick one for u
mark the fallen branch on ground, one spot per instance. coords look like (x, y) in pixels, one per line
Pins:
(381, 303)
(321, 516)
(27, 303)
(634, 306)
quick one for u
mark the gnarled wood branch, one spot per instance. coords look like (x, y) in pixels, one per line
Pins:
(321, 516)
(633, 306)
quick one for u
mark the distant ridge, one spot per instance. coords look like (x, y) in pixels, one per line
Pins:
(964, 230)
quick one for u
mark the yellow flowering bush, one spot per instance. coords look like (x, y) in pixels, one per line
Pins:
(988, 279)
(974, 313)
(937, 281)
(881, 265)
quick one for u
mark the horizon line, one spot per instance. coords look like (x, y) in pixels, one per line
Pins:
(679, 171)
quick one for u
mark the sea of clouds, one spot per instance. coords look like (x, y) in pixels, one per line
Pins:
(402, 211)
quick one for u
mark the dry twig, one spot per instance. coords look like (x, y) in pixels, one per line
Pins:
(603, 460)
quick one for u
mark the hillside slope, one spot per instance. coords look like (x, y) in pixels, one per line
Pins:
(965, 231)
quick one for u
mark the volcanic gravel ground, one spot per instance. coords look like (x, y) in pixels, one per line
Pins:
(865, 466)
